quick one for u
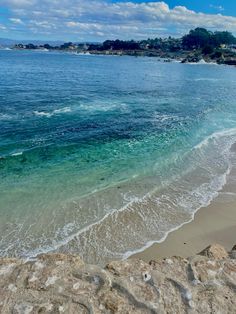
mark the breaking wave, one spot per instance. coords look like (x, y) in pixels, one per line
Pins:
(52, 113)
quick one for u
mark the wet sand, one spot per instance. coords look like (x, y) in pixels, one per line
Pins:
(213, 224)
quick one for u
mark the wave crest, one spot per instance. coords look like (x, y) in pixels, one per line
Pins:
(54, 112)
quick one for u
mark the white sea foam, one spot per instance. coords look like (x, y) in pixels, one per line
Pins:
(202, 62)
(165, 117)
(207, 79)
(42, 114)
(4, 116)
(209, 198)
(104, 107)
(17, 153)
(208, 192)
(216, 135)
(62, 110)
(54, 112)
(67, 228)
(14, 154)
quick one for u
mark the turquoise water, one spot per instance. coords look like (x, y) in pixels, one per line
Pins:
(104, 155)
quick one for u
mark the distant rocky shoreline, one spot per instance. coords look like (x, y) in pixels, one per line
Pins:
(184, 57)
(57, 283)
(200, 44)
(227, 58)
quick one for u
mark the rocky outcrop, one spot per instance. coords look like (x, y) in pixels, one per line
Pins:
(192, 58)
(215, 251)
(57, 283)
(230, 61)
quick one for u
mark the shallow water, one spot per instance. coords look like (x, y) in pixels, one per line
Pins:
(103, 155)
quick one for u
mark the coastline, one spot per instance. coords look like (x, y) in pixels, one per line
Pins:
(185, 57)
(215, 223)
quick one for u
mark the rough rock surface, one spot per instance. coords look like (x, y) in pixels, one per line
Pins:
(215, 251)
(57, 283)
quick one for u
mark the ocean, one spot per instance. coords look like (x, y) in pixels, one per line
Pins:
(102, 156)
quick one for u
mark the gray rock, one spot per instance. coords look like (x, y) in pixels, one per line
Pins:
(57, 283)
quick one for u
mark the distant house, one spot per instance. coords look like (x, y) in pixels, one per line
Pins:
(231, 47)
(223, 46)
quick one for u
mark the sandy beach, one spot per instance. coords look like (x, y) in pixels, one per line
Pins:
(213, 224)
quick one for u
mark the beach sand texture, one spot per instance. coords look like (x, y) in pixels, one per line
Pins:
(215, 223)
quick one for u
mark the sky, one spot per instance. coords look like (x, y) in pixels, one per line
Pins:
(98, 20)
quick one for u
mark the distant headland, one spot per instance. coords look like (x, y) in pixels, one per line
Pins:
(199, 45)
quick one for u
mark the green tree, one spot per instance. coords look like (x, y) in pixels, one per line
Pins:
(223, 38)
(207, 50)
(197, 38)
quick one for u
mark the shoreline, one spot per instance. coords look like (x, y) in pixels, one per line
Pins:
(215, 223)
(184, 58)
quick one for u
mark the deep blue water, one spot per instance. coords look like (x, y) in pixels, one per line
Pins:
(100, 155)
